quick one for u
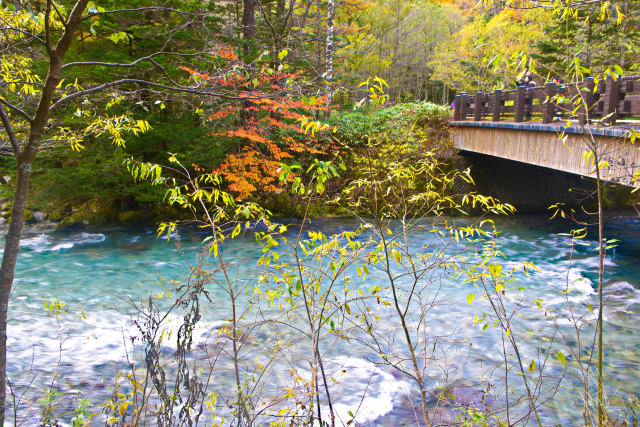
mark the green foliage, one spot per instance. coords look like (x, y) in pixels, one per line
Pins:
(598, 37)
(422, 123)
(96, 172)
(82, 414)
(48, 404)
(471, 417)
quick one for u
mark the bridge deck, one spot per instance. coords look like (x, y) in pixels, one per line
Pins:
(620, 130)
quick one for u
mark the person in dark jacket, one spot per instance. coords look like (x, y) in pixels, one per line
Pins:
(526, 79)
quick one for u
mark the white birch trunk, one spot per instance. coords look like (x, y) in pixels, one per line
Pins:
(331, 10)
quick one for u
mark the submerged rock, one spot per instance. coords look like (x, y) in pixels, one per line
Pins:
(621, 289)
(453, 402)
(39, 216)
(136, 246)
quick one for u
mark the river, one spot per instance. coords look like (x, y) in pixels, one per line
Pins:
(95, 272)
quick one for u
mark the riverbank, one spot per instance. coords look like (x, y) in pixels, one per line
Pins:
(92, 188)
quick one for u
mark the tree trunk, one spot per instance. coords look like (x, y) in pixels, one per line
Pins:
(601, 255)
(248, 34)
(248, 25)
(24, 161)
(331, 10)
(279, 33)
(319, 38)
(7, 270)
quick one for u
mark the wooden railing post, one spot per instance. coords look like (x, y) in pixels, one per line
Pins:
(549, 107)
(611, 98)
(457, 103)
(478, 106)
(497, 105)
(519, 104)
(479, 109)
(587, 101)
(463, 106)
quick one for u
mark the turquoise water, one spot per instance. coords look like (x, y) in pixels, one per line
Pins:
(98, 272)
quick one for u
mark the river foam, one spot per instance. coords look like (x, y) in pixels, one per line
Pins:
(48, 242)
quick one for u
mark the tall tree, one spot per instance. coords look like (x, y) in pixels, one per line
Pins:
(37, 109)
(331, 12)
(395, 40)
(26, 151)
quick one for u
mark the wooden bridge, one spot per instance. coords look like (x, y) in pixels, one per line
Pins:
(554, 126)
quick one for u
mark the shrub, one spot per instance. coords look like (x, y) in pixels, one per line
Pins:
(423, 123)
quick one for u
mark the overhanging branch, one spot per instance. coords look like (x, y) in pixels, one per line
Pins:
(21, 31)
(16, 109)
(12, 136)
(137, 61)
(193, 90)
(139, 9)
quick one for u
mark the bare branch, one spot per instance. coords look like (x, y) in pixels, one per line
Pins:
(16, 109)
(266, 19)
(12, 136)
(194, 90)
(62, 18)
(26, 33)
(139, 9)
(47, 28)
(137, 61)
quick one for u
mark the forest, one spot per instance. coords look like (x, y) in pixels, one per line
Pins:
(250, 212)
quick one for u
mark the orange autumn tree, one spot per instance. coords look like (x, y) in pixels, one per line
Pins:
(267, 125)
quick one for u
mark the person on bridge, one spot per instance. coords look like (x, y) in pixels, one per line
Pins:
(526, 79)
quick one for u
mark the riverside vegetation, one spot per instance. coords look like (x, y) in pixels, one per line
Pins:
(227, 122)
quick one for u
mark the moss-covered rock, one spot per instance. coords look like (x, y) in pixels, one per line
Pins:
(278, 203)
(617, 197)
(93, 212)
(72, 221)
(128, 218)
(60, 212)
(161, 212)
(320, 209)
(28, 217)
(314, 210)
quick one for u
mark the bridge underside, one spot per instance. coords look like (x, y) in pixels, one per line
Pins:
(545, 146)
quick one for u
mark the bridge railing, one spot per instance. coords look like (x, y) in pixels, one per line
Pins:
(613, 100)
